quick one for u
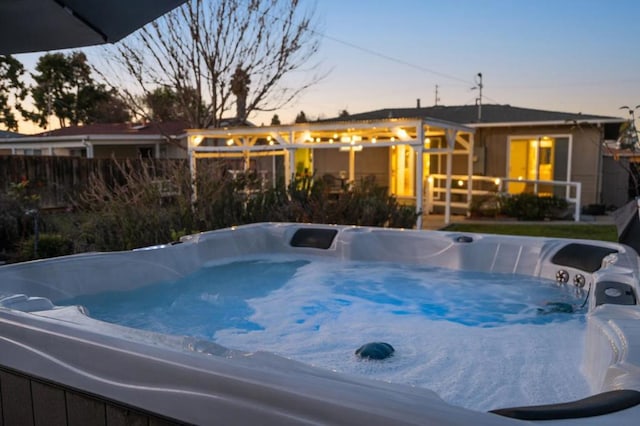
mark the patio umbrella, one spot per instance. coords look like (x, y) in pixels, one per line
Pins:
(40, 25)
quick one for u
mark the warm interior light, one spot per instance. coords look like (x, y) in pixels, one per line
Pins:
(393, 139)
(270, 142)
(229, 142)
(197, 140)
(373, 140)
(460, 183)
(497, 181)
(345, 139)
(350, 148)
(430, 179)
(402, 134)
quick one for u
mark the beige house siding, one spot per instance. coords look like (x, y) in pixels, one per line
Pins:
(495, 143)
(373, 162)
(330, 161)
(585, 152)
(586, 165)
(370, 162)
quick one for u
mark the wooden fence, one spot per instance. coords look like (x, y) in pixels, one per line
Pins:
(58, 180)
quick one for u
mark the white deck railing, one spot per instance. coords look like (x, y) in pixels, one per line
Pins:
(462, 190)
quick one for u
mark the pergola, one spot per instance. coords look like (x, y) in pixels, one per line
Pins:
(351, 136)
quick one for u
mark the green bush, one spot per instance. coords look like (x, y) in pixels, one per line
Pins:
(48, 245)
(490, 205)
(527, 206)
(11, 223)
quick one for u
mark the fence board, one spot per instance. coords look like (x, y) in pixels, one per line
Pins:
(57, 180)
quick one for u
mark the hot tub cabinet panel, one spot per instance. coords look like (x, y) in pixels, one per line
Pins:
(57, 357)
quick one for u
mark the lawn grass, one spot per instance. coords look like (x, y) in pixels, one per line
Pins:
(578, 230)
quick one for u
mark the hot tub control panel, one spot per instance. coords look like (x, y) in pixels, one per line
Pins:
(613, 292)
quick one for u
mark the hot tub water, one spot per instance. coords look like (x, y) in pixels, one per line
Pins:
(478, 340)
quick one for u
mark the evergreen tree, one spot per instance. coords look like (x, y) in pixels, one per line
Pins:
(12, 90)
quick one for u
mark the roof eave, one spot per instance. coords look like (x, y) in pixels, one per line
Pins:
(87, 138)
(547, 123)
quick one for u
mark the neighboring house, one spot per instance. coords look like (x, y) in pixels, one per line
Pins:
(119, 140)
(9, 135)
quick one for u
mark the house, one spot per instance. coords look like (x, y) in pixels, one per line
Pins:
(119, 140)
(530, 144)
(437, 157)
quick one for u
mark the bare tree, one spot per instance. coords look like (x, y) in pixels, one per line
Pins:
(224, 53)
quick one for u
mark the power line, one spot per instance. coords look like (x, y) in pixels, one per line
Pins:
(383, 55)
(392, 58)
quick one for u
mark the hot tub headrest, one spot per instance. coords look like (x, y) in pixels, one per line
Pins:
(585, 257)
(320, 238)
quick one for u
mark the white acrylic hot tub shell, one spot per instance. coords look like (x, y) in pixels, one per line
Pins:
(189, 380)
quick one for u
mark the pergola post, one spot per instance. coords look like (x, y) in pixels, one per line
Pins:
(352, 167)
(89, 146)
(246, 157)
(470, 174)
(289, 160)
(419, 173)
(451, 141)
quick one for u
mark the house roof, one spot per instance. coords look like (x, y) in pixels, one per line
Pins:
(468, 114)
(4, 134)
(170, 128)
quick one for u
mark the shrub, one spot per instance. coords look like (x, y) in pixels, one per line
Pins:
(48, 245)
(11, 222)
(235, 201)
(15, 222)
(146, 207)
(490, 205)
(527, 206)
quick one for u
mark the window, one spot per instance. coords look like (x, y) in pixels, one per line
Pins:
(538, 158)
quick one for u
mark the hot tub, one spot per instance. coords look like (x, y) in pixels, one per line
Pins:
(56, 362)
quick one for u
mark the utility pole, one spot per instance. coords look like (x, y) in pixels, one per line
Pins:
(437, 98)
(479, 86)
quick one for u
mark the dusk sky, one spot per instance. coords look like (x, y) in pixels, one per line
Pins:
(565, 55)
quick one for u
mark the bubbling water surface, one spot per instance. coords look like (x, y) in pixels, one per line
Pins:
(479, 340)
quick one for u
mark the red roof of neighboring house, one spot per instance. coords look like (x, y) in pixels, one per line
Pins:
(170, 128)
